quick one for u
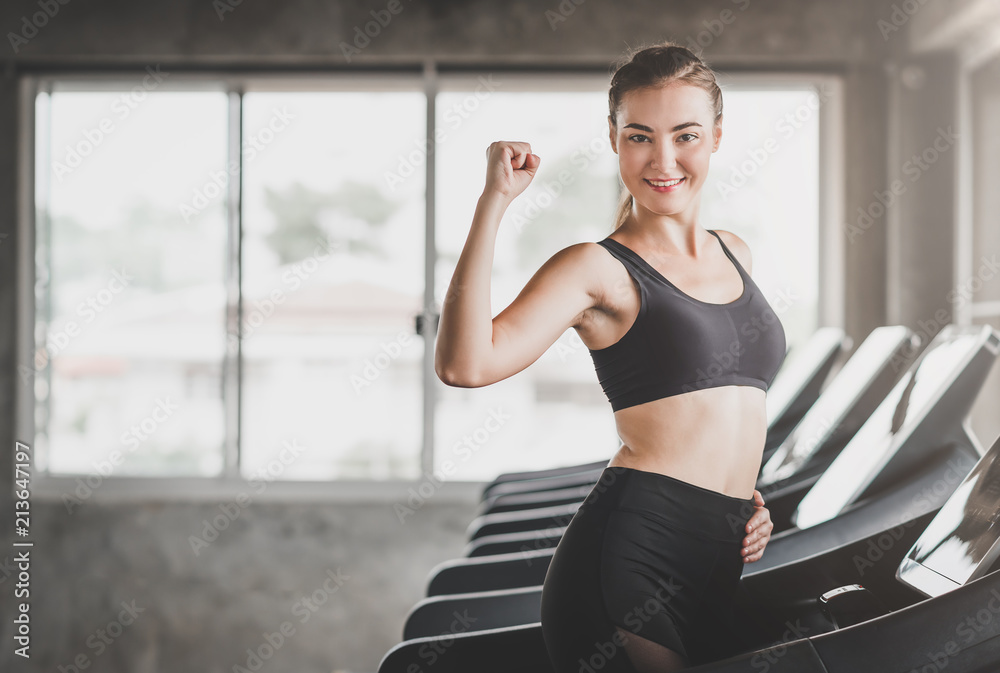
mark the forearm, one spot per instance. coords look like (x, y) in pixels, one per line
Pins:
(465, 329)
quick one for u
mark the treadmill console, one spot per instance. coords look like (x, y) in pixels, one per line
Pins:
(798, 366)
(830, 410)
(888, 435)
(963, 540)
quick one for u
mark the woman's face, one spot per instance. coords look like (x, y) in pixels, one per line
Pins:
(665, 133)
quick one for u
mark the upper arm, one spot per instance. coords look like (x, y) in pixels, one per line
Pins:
(739, 248)
(552, 301)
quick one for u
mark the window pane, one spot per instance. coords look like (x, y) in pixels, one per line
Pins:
(130, 329)
(763, 186)
(554, 412)
(333, 268)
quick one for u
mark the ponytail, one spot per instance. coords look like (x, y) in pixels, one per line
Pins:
(624, 208)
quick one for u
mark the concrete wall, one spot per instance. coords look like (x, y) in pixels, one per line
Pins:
(203, 612)
(339, 577)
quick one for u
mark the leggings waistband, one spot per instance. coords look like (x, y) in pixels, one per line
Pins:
(698, 510)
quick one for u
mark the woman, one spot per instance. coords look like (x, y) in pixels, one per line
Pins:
(645, 573)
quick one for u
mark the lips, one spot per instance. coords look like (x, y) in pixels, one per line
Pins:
(665, 185)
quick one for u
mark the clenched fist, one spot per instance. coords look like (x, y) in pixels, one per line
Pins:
(510, 168)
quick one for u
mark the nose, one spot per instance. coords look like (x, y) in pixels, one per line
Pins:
(664, 157)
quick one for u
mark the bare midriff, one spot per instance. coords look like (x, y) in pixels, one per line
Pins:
(712, 438)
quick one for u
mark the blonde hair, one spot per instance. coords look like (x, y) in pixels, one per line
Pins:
(657, 66)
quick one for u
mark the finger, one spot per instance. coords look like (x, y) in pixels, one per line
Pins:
(520, 160)
(761, 532)
(519, 151)
(753, 549)
(758, 519)
(758, 498)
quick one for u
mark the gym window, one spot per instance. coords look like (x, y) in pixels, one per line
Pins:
(232, 275)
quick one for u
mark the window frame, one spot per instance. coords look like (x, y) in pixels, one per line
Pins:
(431, 78)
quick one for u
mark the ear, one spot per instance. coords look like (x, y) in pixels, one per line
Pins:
(612, 135)
(717, 134)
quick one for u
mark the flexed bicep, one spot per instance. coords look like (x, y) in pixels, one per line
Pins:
(552, 301)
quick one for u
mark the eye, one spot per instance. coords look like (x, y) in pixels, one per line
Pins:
(693, 137)
(636, 135)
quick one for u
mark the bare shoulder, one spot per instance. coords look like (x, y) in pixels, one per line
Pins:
(738, 247)
(583, 261)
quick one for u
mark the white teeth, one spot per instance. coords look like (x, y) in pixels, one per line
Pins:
(665, 184)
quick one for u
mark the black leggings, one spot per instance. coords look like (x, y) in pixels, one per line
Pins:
(655, 555)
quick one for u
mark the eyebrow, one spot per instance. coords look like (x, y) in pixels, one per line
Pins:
(642, 127)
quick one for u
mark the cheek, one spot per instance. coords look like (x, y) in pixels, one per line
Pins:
(631, 160)
(701, 157)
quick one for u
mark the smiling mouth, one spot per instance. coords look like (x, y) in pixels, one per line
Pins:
(664, 184)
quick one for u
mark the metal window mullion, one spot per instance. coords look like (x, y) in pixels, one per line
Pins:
(963, 207)
(232, 377)
(25, 401)
(893, 290)
(430, 260)
(831, 253)
(43, 232)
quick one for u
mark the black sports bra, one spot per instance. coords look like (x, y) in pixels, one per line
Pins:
(678, 344)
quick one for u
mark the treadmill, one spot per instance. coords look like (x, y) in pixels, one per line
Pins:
(931, 604)
(931, 440)
(942, 387)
